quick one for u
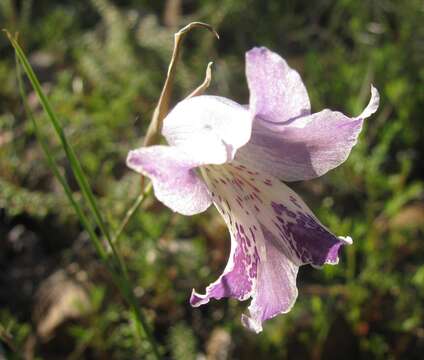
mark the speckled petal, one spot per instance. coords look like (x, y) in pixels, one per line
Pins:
(239, 276)
(174, 181)
(276, 290)
(209, 128)
(306, 147)
(277, 93)
(273, 233)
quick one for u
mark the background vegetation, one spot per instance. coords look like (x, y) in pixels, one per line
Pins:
(102, 64)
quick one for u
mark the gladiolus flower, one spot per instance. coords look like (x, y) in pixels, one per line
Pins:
(234, 156)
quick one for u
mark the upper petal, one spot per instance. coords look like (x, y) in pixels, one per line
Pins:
(277, 93)
(174, 181)
(372, 106)
(209, 128)
(306, 147)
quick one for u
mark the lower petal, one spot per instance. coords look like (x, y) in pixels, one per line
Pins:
(239, 276)
(273, 232)
(276, 290)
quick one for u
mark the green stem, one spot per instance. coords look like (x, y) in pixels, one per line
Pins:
(131, 211)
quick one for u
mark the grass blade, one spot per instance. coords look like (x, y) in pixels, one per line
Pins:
(56, 170)
(121, 277)
(70, 153)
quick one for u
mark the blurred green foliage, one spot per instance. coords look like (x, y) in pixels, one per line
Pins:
(102, 64)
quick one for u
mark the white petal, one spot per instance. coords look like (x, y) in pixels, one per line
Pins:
(210, 128)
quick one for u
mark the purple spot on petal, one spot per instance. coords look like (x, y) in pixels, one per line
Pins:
(318, 245)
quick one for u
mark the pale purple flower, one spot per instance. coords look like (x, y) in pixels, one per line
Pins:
(234, 156)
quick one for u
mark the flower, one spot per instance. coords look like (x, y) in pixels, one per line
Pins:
(234, 156)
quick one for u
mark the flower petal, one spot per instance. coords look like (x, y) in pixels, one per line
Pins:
(273, 232)
(306, 147)
(277, 93)
(276, 290)
(239, 276)
(174, 181)
(210, 128)
(280, 210)
(372, 104)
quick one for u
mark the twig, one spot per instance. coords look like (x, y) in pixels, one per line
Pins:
(164, 100)
(205, 84)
